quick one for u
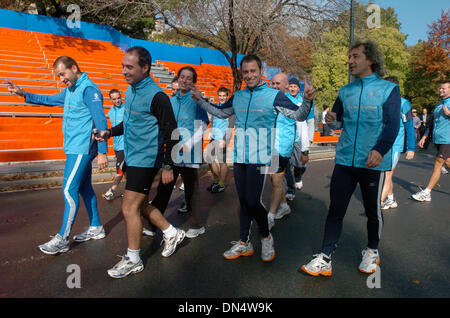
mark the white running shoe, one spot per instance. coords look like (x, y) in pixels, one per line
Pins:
(299, 185)
(148, 232)
(319, 265)
(56, 245)
(267, 249)
(444, 171)
(389, 204)
(170, 243)
(422, 196)
(370, 261)
(125, 267)
(238, 249)
(93, 232)
(282, 211)
(191, 233)
(109, 195)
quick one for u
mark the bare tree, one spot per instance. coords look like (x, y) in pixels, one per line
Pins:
(245, 26)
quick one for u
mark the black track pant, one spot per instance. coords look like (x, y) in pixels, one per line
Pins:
(191, 192)
(249, 186)
(343, 184)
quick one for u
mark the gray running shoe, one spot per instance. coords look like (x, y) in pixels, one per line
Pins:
(170, 243)
(389, 204)
(93, 232)
(148, 232)
(191, 233)
(239, 249)
(422, 196)
(56, 245)
(282, 211)
(125, 267)
(267, 249)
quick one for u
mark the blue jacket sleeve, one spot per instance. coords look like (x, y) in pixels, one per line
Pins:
(410, 138)
(94, 100)
(391, 119)
(46, 100)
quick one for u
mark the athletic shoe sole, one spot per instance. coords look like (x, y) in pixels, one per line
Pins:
(250, 253)
(321, 273)
(134, 271)
(97, 237)
(372, 271)
(54, 253)
(425, 200)
(269, 260)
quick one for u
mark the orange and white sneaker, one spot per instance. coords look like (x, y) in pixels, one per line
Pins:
(320, 265)
(267, 249)
(239, 249)
(370, 261)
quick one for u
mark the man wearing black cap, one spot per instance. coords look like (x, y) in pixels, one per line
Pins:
(301, 149)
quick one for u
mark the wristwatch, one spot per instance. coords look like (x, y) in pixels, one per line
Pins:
(305, 153)
(167, 167)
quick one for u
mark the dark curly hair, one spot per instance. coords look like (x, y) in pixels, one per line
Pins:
(373, 53)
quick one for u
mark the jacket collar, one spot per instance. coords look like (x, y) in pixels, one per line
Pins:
(79, 81)
(263, 85)
(367, 79)
(142, 83)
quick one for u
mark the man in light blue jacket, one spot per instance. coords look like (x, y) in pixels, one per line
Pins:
(115, 116)
(405, 133)
(369, 111)
(440, 126)
(83, 111)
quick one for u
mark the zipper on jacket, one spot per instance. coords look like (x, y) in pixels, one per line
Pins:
(246, 119)
(357, 124)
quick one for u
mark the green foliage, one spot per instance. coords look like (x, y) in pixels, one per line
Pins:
(330, 67)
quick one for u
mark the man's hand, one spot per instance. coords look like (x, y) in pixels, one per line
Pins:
(330, 117)
(14, 89)
(222, 144)
(446, 110)
(195, 93)
(409, 155)
(374, 159)
(309, 90)
(102, 161)
(167, 176)
(304, 159)
(102, 135)
(421, 142)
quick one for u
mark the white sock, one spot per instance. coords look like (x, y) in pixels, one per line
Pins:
(133, 255)
(283, 204)
(170, 231)
(427, 191)
(390, 197)
(271, 216)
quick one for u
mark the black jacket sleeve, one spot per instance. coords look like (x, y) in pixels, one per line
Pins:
(161, 108)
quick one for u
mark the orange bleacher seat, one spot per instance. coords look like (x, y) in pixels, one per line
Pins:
(28, 57)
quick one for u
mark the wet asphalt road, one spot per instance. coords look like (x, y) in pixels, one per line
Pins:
(414, 247)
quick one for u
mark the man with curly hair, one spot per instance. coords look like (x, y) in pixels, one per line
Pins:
(369, 111)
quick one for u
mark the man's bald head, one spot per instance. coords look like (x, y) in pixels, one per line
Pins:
(281, 82)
